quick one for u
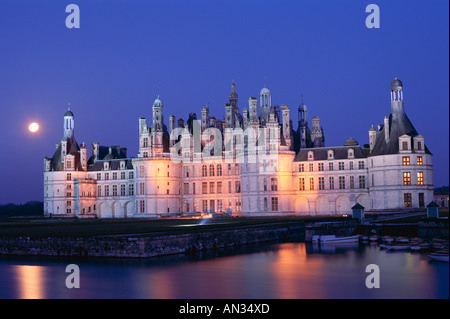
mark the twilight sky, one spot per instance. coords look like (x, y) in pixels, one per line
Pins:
(127, 51)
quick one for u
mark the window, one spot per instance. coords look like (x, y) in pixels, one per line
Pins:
(204, 188)
(352, 182)
(69, 194)
(362, 181)
(341, 166)
(320, 167)
(229, 169)
(301, 182)
(360, 164)
(185, 171)
(238, 205)
(405, 160)
(212, 187)
(229, 186)
(237, 168)
(205, 205)
(141, 206)
(130, 189)
(265, 184)
(130, 175)
(407, 199)
(204, 171)
(274, 203)
(301, 167)
(311, 183)
(69, 176)
(114, 190)
(321, 183)
(341, 182)
(265, 203)
(145, 142)
(405, 146)
(406, 178)
(141, 171)
(351, 165)
(219, 187)
(99, 190)
(106, 190)
(273, 184)
(219, 170)
(106, 176)
(311, 167)
(238, 186)
(331, 182)
(330, 166)
(419, 146)
(373, 180)
(186, 206)
(211, 170)
(419, 160)
(114, 176)
(420, 178)
(219, 205)
(145, 154)
(193, 188)
(421, 200)
(122, 190)
(141, 189)
(99, 176)
(122, 175)
(186, 188)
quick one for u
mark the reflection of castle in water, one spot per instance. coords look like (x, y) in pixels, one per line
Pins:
(392, 172)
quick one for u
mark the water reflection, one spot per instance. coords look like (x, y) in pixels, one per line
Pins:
(281, 271)
(30, 281)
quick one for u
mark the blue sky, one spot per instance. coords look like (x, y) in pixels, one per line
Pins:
(127, 52)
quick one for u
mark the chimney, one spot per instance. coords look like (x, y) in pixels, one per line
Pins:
(386, 128)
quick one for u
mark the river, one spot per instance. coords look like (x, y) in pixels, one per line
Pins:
(264, 271)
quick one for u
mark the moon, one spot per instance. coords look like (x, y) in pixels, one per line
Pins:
(34, 127)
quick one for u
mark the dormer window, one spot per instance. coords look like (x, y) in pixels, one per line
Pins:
(330, 154)
(310, 156)
(106, 166)
(351, 153)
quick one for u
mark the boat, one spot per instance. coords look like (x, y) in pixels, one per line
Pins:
(332, 239)
(373, 238)
(401, 240)
(420, 247)
(439, 256)
(397, 247)
(387, 239)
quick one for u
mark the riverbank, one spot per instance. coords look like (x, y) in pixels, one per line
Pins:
(143, 238)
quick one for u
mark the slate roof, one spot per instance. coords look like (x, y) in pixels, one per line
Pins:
(340, 152)
(399, 124)
(73, 149)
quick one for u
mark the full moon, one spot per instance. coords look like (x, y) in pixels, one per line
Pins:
(34, 127)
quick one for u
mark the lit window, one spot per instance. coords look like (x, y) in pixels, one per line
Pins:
(405, 160)
(420, 178)
(274, 203)
(407, 199)
(419, 160)
(406, 178)
(311, 183)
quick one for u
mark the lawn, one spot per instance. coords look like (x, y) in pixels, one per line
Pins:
(134, 227)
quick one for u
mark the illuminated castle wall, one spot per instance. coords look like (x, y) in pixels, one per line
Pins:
(252, 163)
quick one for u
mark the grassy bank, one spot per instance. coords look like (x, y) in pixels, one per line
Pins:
(135, 227)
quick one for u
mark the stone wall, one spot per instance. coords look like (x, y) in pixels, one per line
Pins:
(142, 247)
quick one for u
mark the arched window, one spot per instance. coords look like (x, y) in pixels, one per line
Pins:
(211, 170)
(219, 170)
(204, 171)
